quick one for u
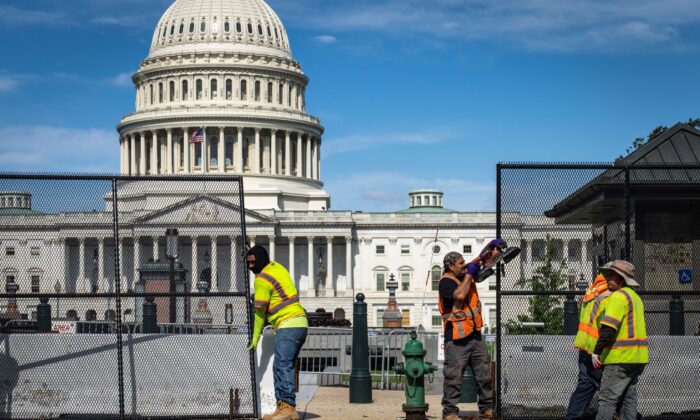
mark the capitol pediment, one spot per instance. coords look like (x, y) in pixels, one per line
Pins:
(200, 210)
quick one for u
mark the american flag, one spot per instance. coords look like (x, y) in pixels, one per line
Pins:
(197, 136)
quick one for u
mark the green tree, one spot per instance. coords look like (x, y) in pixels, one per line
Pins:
(550, 276)
(641, 141)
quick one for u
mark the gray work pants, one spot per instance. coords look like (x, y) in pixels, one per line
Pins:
(619, 382)
(471, 351)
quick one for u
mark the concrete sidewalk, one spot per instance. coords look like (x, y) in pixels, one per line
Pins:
(315, 402)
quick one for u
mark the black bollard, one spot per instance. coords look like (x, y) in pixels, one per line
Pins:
(570, 316)
(360, 379)
(43, 315)
(150, 316)
(676, 316)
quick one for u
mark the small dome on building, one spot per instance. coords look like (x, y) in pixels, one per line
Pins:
(425, 200)
(226, 26)
(15, 200)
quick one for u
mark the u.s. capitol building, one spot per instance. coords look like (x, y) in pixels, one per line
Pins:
(226, 66)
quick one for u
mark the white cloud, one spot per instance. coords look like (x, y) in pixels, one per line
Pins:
(58, 149)
(326, 39)
(124, 21)
(357, 142)
(8, 83)
(122, 79)
(13, 15)
(585, 25)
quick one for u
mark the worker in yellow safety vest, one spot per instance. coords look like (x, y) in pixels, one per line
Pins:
(276, 300)
(586, 338)
(622, 345)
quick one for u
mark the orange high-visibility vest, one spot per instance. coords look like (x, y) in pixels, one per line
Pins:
(465, 316)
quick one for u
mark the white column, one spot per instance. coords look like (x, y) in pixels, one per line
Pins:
(348, 266)
(121, 154)
(330, 286)
(155, 248)
(233, 285)
(195, 269)
(312, 285)
(256, 158)
(154, 152)
(169, 152)
(100, 262)
(205, 152)
(186, 149)
(221, 153)
(132, 154)
(297, 171)
(239, 150)
(251, 275)
(81, 264)
(121, 263)
(312, 162)
(318, 158)
(142, 156)
(137, 260)
(291, 260)
(214, 265)
(308, 157)
(287, 154)
(271, 241)
(273, 152)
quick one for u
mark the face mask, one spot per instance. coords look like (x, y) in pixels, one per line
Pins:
(261, 258)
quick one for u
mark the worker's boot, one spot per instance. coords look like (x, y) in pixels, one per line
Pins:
(486, 415)
(451, 416)
(284, 412)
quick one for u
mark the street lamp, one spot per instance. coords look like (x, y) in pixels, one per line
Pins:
(57, 289)
(93, 284)
(321, 273)
(171, 252)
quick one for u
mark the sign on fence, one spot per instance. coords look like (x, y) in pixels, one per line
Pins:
(63, 327)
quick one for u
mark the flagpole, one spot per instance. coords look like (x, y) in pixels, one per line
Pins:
(205, 151)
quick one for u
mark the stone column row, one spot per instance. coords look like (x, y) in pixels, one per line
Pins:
(166, 154)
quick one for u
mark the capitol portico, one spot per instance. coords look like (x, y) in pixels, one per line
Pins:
(226, 67)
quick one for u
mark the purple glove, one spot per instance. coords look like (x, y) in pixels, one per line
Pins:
(473, 269)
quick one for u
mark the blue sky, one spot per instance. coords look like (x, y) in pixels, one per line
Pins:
(412, 93)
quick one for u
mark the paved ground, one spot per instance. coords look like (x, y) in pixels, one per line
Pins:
(332, 403)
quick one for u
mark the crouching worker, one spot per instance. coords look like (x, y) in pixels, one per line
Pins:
(277, 301)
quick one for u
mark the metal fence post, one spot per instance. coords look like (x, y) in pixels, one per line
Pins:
(43, 314)
(150, 316)
(118, 299)
(676, 316)
(570, 316)
(360, 379)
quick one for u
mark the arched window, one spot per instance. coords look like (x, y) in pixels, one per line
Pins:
(172, 91)
(279, 93)
(276, 37)
(257, 91)
(213, 88)
(380, 277)
(228, 147)
(268, 31)
(289, 96)
(151, 88)
(203, 26)
(244, 90)
(238, 27)
(198, 89)
(339, 313)
(213, 145)
(250, 28)
(260, 32)
(215, 26)
(172, 29)
(269, 92)
(229, 88)
(435, 275)
(405, 276)
(185, 91)
(182, 28)
(91, 315)
(227, 26)
(191, 27)
(72, 313)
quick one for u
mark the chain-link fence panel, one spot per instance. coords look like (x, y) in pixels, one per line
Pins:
(568, 221)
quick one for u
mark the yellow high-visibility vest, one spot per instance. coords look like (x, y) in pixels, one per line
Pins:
(624, 311)
(587, 334)
(275, 292)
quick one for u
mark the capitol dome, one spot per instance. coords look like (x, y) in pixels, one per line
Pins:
(243, 26)
(220, 93)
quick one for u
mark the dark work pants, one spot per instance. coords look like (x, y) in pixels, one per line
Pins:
(588, 383)
(471, 351)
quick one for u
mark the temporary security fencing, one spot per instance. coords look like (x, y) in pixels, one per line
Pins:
(568, 220)
(124, 297)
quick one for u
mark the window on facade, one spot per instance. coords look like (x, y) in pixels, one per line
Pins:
(227, 27)
(244, 90)
(34, 250)
(36, 283)
(10, 251)
(214, 88)
(160, 93)
(172, 29)
(279, 93)
(380, 277)
(276, 35)
(269, 33)
(229, 89)
(250, 28)
(492, 318)
(257, 91)
(229, 151)
(435, 275)
(198, 89)
(91, 315)
(260, 32)
(405, 281)
(269, 92)
(436, 249)
(538, 249)
(182, 28)
(574, 253)
(436, 318)
(151, 93)
(418, 201)
(215, 26)
(558, 249)
(405, 249)
(380, 315)
(289, 96)
(405, 317)
(379, 249)
(171, 93)
(466, 249)
(185, 90)
(238, 27)
(202, 26)
(191, 27)
(213, 145)
(198, 154)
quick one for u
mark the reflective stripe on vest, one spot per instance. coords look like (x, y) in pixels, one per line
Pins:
(283, 304)
(458, 315)
(275, 284)
(642, 342)
(596, 306)
(631, 344)
(465, 317)
(630, 314)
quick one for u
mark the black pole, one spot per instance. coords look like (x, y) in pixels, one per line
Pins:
(570, 315)
(676, 316)
(360, 379)
(118, 300)
(150, 316)
(173, 300)
(43, 314)
(499, 192)
(628, 214)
